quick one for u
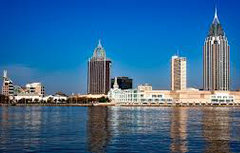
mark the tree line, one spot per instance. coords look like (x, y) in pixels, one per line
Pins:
(70, 100)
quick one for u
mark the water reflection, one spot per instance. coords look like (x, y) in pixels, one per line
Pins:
(41, 129)
(178, 130)
(98, 129)
(20, 126)
(4, 124)
(216, 129)
(127, 129)
(119, 129)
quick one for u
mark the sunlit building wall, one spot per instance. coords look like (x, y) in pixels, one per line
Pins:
(178, 73)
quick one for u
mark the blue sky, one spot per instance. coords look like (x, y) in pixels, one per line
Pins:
(51, 40)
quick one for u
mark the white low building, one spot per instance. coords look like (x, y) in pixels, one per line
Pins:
(29, 96)
(144, 95)
(33, 97)
(222, 98)
(140, 96)
(55, 98)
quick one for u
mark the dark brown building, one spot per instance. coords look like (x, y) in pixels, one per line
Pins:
(99, 72)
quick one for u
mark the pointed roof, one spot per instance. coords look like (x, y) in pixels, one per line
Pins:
(115, 86)
(99, 52)
(215, 19)
(99, 43)
(216, 27)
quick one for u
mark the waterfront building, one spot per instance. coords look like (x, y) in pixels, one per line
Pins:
(216, 58)
(140, 96)
(57, 98)
(123, 82)
(32, 97)
(178, 73)
(98, 72)
(7, 87)
(35, 88)
(144, 95)
(31, 91)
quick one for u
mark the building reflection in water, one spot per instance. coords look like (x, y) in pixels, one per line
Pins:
(4, 124)
(178, 130)
(216, 129)
(98, 129)
(20, 124)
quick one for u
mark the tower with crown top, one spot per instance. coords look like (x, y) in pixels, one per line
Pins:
(98, 72)
(216, 58)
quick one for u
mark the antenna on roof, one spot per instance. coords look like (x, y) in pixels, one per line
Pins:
(177, 52)
(99, 43)
(5, 73)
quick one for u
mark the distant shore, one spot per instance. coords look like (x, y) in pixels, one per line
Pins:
(112, 104)
(47, 104)
(178, 105)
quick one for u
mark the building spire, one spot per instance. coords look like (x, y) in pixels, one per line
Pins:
(99, 43)
(177, 52)
(115, 86)
(215, 16)
(5, 74)
(216, 20)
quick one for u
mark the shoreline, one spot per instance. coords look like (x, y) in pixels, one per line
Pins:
(64, 105)
(109, 104)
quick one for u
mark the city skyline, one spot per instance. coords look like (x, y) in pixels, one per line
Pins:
(156, 61)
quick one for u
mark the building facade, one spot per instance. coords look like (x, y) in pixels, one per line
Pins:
(178, 73)
(98, 72)
(35, 88)
(123, 82)
(141, 96)
(144, 95)
(216, 59)
(32, 89)
(8, 88)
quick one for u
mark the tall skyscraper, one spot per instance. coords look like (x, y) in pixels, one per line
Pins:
(216, 67)
(99, 72)
(123, 82)
(178, 73)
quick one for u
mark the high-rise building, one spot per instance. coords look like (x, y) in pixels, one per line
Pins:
(216, 67)
(123, 82)
(178, 73)
(98, 72)
(7, 87)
